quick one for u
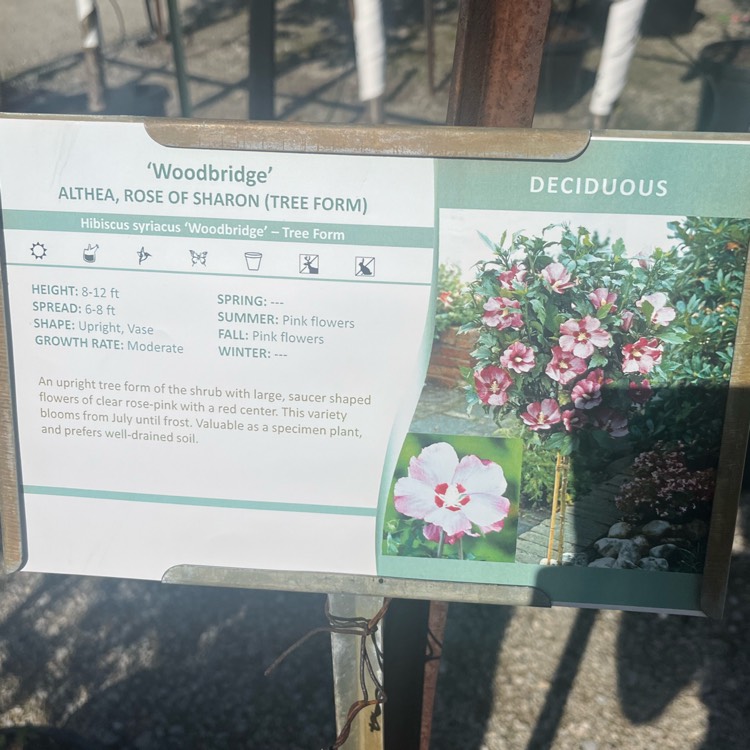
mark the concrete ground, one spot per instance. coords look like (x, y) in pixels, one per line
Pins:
(142, 666)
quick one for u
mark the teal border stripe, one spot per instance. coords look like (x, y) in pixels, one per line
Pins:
(209, 502)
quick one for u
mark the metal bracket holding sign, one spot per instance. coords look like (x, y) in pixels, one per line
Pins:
(203, 380)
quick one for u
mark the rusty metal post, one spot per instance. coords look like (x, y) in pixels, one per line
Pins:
(156, 18)
(496, 64)
(159, 20)
(92, 53)
(496, 68)
(436, 623)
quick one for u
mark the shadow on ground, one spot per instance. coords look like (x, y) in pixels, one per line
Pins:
(131, 664)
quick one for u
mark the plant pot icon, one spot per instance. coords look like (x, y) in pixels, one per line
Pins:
(89, 253)
(253, 260)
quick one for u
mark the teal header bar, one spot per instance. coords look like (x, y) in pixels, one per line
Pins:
(219, 229)
(619, 176)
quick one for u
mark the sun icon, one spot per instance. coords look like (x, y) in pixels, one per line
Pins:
(38, 251)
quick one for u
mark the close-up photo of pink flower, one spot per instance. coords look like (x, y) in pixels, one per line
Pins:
(456, 496)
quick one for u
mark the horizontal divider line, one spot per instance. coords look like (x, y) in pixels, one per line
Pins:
(210, 502)
(296, 277)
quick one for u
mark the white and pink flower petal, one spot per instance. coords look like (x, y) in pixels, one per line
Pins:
(451, 521)
(413, 497)
(435, 464)
(478, 477)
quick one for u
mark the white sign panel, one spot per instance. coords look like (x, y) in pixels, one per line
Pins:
(215, 390)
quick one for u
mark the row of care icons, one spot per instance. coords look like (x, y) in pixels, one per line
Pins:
(309, 264)
(39, 252)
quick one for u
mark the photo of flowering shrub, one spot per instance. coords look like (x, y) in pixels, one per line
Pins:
(570, 334)
(605, 356)
(454, 498)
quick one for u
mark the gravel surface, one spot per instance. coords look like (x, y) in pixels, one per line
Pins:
(144, 666)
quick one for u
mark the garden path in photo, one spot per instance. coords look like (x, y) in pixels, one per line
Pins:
(442, 411)
(587, 519)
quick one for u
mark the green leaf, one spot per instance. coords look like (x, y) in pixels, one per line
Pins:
(560, 441)
(557, 321)
(673, 336)
(482, 353)
(602, 438)
(538, 307)
(603, 310)
(598, 360)
(466, 327)
(647, 309)
(487, 241)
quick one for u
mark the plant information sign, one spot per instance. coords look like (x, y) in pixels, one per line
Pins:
(460, 370)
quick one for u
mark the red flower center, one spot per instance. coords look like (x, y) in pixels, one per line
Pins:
(451, 496)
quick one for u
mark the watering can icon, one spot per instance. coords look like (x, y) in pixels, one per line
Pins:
(89, 253)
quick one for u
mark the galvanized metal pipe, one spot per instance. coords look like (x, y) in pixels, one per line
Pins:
(369, 46)
(347, 674)
(88, 17)
(175, 33)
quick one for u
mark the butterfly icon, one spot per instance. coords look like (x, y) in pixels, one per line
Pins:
(198, 257)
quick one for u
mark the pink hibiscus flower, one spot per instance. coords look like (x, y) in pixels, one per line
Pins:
(573, 419)
(597, 376)
(564, 366)
(452, 495)
(626, 320)
(492, 383)
(512, 278)
(661, 315)
(601, 297)
(557, 277)
(586, 394)
(640, 392)
(642, 356)
(502, 313)
(518, 357)
(612, 422)
(542, 415)
(581, 336)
